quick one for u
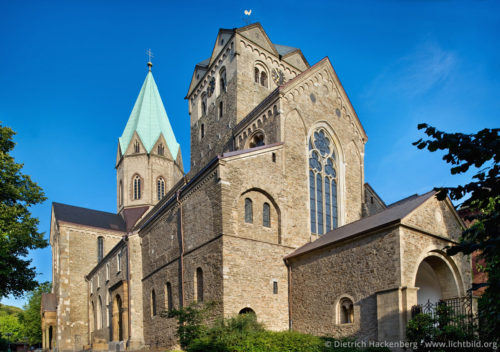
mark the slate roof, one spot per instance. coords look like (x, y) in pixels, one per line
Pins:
(49, 302)
(149, 119)
(283, 49)
(386, 217)
(88, 217)
(203, 63)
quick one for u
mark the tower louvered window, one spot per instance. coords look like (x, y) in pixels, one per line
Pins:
(100, 248)
(137, 187)
(322, 182)
(160, 187)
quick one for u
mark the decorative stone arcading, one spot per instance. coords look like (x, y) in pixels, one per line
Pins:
(267, 57)
(221, 57)
(323, 82)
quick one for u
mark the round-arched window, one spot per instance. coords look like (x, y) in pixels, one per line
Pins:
(346, 311)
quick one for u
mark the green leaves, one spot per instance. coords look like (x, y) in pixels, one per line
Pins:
(481, 205)
(31, 319)
(18, 229)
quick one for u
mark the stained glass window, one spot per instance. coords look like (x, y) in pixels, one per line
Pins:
(322, 182)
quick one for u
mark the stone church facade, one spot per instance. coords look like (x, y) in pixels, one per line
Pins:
(274, 216)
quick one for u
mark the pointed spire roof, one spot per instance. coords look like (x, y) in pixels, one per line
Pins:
(149, 119)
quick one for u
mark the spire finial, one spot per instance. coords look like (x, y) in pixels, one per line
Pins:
(150, 55)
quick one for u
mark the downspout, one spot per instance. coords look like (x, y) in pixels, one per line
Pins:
(289, 270)
(89, 339)
(178, 194)
(125, 238)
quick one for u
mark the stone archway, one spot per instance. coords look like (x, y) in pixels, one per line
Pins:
(117, 320)
(247, 310)
(51, 336)
(436, 280)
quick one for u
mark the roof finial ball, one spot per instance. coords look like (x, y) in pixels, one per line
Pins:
(150, 55)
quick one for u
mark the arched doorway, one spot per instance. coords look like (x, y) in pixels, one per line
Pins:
(50, 337)
(117, 319)
(436, 280)
(247, 310)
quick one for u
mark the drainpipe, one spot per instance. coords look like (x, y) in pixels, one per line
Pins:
(178, 194)
(125, 238)
(289, 270)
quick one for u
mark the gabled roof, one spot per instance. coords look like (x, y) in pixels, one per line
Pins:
(203, 63)
(149, 119)
(276, 49)
(386, 217)
(283, 49)
(88, 217)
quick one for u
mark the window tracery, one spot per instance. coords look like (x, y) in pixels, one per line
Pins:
(322, 182)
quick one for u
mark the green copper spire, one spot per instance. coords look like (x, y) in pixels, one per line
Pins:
(149, 119)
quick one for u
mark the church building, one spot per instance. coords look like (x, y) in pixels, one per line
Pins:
(274, 216)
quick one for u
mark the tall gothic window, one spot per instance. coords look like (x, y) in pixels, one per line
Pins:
(100, 248)
(161, 149)
(322, 182)
(137, 187)
(248, 211)
(136, 147)
(160, 185)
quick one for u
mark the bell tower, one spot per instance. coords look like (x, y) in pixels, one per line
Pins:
(149, 160)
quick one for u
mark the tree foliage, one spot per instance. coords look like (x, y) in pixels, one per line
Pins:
(10, 324)
(31, 318)
(482, 199)
(18, 229)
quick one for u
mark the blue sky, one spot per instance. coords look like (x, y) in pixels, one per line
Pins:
(70, 72)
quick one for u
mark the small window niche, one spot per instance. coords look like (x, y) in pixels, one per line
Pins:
(346, 311)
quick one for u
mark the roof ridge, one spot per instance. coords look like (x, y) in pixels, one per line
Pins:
(76, 206)
(384, 218)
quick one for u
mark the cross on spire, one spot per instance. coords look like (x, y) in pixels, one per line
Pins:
(149, 53)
